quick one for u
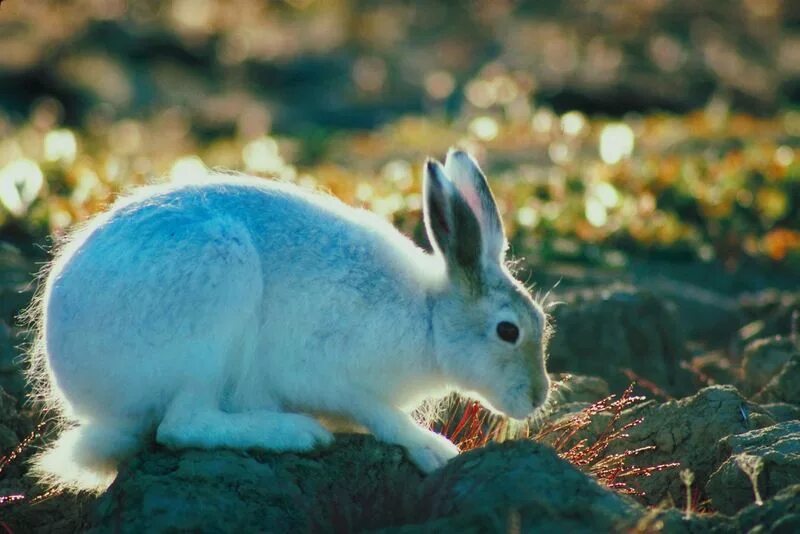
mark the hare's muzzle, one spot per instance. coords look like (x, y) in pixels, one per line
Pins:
(540, 381)
(540, 393)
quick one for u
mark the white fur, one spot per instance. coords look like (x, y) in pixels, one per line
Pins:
(235, 312)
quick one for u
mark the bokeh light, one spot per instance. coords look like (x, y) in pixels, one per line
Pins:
(20, 184)
(616, 142)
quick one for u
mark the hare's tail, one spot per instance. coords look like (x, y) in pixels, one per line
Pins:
(85, 457)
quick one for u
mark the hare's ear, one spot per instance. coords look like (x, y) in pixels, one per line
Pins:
(452, 227)
(474, 188)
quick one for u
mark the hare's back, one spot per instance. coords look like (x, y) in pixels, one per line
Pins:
(157, 242)
(190, 239)
(166, 250)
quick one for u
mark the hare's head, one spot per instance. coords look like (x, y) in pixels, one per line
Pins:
(489, 334)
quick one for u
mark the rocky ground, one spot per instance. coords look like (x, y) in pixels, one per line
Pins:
(724, 406)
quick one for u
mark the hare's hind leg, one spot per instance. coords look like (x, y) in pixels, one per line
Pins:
(219, 356)
(192, 422)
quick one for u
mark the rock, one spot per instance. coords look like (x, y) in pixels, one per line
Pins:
(7, 351)
(357, 481)
(768, 313)
(356, 484)
(527, 484)
(763, 359)
(16, 289)
(11, 376)
(687, 431)
(780, 514)
(784, 386)
(8, 407)
(62, 514)
(703, 313)
(675, 521)
(604, 332)
(781, 411)
(714, 368)
(15, 424)
(13, 300)
(8, 439)
(578, 388)
(777, 448)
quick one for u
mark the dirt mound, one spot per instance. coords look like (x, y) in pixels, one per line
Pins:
(785, 385)
(773, 453)
(763, 359)
(685, 431)
(355, 485)
(777, 515)
(768, 313)
(607, 331)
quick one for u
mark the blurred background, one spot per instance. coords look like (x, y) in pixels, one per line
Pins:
(620, 136)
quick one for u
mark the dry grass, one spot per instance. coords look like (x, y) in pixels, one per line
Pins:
(470, 426)
(612, 470)
(11, 457)
(15, 455)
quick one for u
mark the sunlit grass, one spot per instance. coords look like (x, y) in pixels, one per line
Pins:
(470, 426)
(15, 455)
(592, 455)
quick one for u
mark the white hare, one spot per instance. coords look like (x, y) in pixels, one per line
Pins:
(236, 312)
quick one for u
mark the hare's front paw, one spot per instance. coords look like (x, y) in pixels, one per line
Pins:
(432, 452)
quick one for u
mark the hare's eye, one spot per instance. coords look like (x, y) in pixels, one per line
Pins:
(508, 332)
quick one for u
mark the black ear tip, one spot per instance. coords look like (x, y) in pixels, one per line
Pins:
(433, 167)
